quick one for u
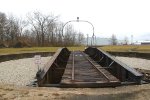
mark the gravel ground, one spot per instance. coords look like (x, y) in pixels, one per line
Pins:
(19, 72)
(135, 62)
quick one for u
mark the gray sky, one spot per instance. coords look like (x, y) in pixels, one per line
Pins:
(120, 17)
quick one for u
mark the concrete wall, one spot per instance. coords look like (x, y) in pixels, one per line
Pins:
(131, 54)
(23, 55)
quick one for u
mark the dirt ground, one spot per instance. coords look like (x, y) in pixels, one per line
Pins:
(132, 92)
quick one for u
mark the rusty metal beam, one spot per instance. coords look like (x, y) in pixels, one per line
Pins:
(133, 71)
(118, 68)
(49, 72)
(49, 64)
(96, 67)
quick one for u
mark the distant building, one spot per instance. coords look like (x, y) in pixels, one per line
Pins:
(142, 43)
(145, 43)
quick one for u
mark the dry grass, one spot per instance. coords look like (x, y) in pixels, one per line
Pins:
(125, 48)
(35, 49)
(128, 48)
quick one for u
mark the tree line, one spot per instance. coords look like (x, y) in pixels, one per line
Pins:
(37, 30)
(114, 40)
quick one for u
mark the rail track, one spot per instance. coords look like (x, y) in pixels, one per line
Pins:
(91, 68)
(82, 71)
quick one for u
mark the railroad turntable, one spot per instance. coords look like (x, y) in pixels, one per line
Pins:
(89, 68)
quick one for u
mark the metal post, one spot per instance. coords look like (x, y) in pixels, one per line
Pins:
(87, 39)
(95, 41)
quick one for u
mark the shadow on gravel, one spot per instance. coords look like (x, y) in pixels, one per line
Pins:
(138, 95)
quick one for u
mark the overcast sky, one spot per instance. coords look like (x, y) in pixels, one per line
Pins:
(119, 17)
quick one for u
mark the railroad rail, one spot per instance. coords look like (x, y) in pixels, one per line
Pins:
(90, 68)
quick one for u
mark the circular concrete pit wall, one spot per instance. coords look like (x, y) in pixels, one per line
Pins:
(7, 57)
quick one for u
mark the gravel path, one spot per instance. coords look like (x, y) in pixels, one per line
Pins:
(19, 72)
(135, 62)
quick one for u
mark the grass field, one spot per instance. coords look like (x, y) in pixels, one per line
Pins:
(128, 48)
(125, 48)
(35, 49)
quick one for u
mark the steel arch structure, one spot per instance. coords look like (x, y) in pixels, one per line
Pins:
(93, 36)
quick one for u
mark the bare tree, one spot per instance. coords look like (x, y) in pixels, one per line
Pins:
(3, 21)
(52, 30)
(126, 40)
(72, 37)
(80, 38)
(22, 24)
(12, 29)
(58, 32)
(69, 36)
(42, 24)
(114, 39)
(42, 30)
